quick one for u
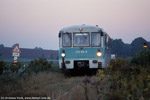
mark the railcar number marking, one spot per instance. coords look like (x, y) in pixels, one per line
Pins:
(81, 51)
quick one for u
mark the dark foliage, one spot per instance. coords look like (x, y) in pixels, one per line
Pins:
(137, 45)
(15, 67)
(38, 65)
(38, 48)
(2, 66)
(13, 71)
(121, 49)
(1, 46)
(143, 58)
(126, 81)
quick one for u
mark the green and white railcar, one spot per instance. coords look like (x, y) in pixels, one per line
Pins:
(83, 46)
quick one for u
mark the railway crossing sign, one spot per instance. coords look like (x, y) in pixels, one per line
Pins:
(16, 49)
(16, 52)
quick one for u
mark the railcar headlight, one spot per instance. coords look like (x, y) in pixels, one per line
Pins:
(63, 54)
(99, 53)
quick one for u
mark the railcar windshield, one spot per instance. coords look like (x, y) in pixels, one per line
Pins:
(96, 39)
(67, 39)
(81, 40)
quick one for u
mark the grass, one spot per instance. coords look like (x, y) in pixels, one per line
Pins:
(86, 89)
(51, 84)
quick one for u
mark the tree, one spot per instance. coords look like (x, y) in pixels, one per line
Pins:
(38, 48)
(142, 58)
(137, 45)
(119, 48)
(15, 45)
(1, 46)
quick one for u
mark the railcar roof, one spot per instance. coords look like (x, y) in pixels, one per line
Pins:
(85, 28)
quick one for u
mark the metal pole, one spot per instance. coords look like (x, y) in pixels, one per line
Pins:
(63, 63)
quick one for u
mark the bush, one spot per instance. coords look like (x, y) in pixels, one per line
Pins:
(143, 58)
(124, 81)
(15, 67)
(38, 65)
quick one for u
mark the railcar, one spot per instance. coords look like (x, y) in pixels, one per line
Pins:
(83, 46)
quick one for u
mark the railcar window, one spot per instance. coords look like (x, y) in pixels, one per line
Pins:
(96, 39)
(107, 41)
(81, 40)
(67, 39)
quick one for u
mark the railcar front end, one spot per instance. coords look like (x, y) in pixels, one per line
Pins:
(83, 46)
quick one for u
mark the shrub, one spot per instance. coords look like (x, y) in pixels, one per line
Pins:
(143, 58)
(38, 65)
(124, 81)
(15, 67)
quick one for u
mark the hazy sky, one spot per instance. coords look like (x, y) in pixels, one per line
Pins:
(37, 22)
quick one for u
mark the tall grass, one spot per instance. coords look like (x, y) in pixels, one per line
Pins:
(52, 84)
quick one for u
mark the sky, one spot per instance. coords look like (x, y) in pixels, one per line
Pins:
(34, 23)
